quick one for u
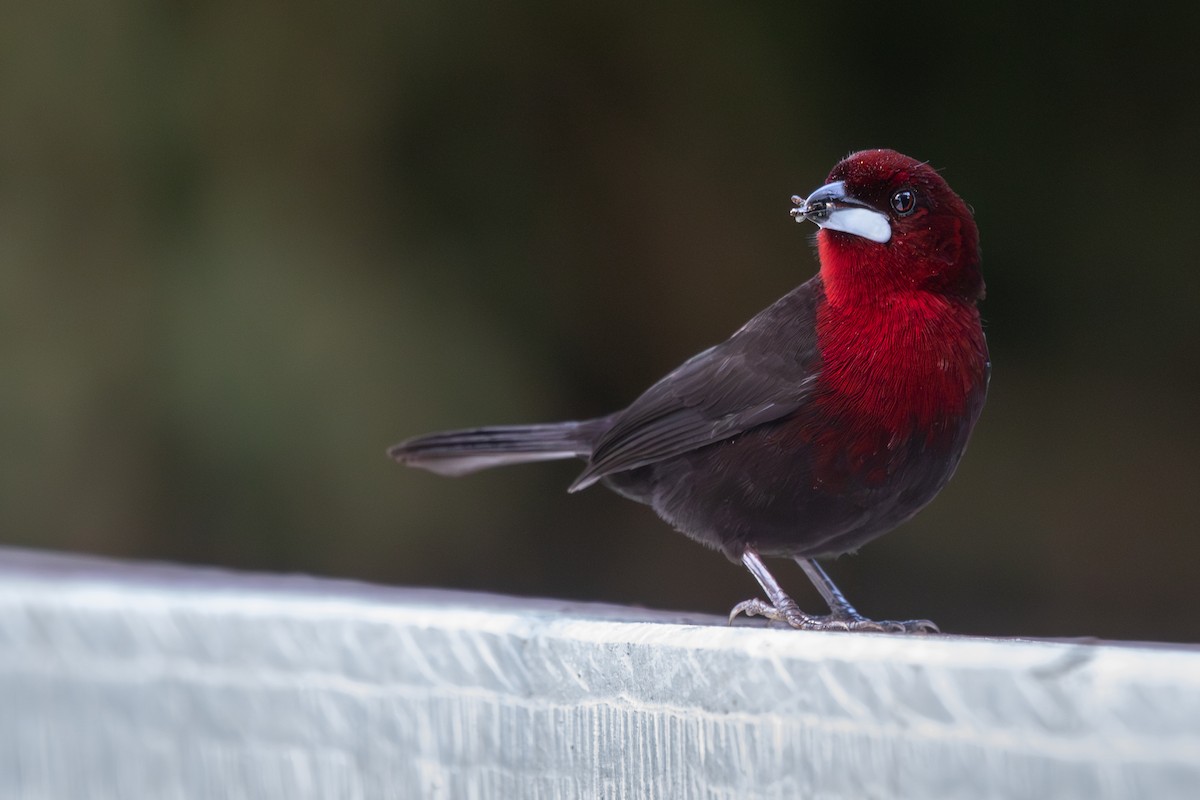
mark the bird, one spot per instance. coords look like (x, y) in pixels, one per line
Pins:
(830, 418)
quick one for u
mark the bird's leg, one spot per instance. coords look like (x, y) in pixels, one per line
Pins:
(842, 616)
(781, 607)
(842, 612)
(837, 602)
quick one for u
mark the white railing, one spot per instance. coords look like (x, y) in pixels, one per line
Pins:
(145, 681)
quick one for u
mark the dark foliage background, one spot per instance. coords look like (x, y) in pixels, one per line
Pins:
(245, 246)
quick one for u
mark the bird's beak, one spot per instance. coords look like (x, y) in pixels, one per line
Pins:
(834, 208)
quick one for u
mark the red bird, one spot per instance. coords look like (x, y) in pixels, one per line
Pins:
(827, 420)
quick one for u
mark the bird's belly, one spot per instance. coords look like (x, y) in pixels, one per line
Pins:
(780, 496)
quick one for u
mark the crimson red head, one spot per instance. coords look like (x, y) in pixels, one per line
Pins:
(890, 222)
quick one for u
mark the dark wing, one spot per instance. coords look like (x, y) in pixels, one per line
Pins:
(762, 373)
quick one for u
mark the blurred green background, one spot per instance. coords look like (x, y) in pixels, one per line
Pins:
(244, 247)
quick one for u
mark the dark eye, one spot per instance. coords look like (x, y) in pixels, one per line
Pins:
(904, 201)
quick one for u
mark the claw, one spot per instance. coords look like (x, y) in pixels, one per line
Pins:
(751, 608)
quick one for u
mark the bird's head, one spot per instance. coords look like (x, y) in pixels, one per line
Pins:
(890, 223)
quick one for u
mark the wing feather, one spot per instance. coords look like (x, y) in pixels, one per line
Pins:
(763, 373)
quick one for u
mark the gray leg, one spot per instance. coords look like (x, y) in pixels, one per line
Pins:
(841, 610)
(837, 602)
(780, 608)
(842, 617)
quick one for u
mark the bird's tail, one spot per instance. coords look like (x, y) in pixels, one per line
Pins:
(462, 452)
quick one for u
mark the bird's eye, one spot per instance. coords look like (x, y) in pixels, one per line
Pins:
(904, 201)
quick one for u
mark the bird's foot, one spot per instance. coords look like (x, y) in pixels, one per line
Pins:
(787, 612)
(857, 622)
(791, 614)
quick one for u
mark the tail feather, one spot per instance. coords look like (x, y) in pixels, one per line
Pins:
(466, 451)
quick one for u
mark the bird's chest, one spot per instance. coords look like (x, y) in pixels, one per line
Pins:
(899, 383)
